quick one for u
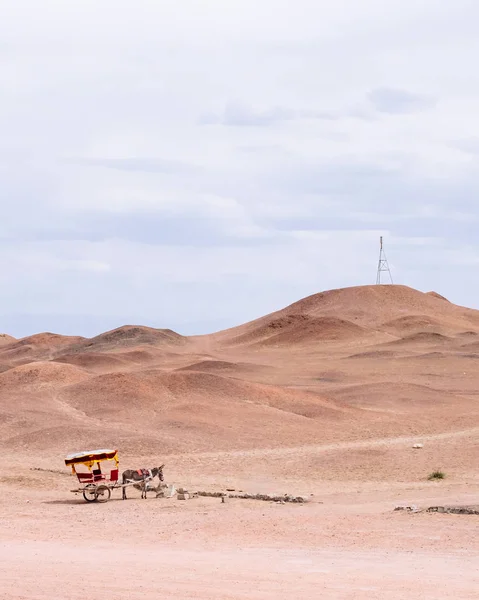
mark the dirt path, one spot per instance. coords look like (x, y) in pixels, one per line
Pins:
(316, 448)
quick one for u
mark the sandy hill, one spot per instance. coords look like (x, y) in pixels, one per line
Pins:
(46, 340)
(126, 337)
(41, 346)
(346, 364)
(348, 314)
(97, 362)
(75, 349)
(297, 328)
(6, 339)
(38, 374)
(397, 398)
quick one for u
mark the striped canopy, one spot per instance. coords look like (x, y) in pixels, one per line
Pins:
(89, 457)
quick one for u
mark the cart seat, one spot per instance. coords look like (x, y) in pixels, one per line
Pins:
(98, 475)
(85, 477)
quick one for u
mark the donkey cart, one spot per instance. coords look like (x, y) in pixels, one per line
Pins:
(96, 485)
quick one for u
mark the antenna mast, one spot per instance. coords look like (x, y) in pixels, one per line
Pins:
(383, 266)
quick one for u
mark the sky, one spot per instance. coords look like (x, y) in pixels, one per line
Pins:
(196, 164)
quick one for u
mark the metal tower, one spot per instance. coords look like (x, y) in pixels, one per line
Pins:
(383, 263)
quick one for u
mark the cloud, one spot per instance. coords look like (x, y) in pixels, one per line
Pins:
(146, 165)
(117, 200)
(240, 115)
(383, 100)
(157, 229)
(468, 146)
(396, 102)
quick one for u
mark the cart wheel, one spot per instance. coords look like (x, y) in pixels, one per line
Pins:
(102, 493)
(89, 493)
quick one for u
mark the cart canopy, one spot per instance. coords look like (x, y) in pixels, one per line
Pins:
(89, 457)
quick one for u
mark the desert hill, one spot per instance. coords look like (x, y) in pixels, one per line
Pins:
(348, 364)
(6, 339)
(40, 346)
(128, 336)
(349, 313)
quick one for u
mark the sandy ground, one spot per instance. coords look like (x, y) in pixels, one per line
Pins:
(152, 571)
(346, 542)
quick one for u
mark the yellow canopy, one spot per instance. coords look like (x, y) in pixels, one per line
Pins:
(90, 457)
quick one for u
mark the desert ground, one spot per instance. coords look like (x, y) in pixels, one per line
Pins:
(323, 399)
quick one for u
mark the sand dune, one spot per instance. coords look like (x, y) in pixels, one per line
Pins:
(6, 339)
(423, 338)
(351, 313)
(267, 382)
(225, 367)
(470, 347)
(300, 328)
(94, 361)
(40, 374)
(140, 356)
(400, 398)
(412, 324)
(47, 339)
(128, 336)
(189, 395)
(43, 342)
(371, 305)
(41, 346)
(468, 334)
(436, 295)
(109, 393)
(376, 354)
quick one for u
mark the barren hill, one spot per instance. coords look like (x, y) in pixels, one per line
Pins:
(6, 339)
(348, 364)
(128, 336)
(300, 328)
(40, 346)
(349, 313)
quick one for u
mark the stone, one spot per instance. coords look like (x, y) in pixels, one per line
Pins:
(411, 508)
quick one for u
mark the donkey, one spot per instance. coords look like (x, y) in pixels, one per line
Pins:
(142, 476)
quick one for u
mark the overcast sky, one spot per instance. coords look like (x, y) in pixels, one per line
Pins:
(194, 164)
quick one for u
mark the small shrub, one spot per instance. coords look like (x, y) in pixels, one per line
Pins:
(435, 475)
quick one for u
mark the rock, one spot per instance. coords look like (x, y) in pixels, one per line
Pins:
(412, 508)
(265, 497)
(457, 510)
(171, 491)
